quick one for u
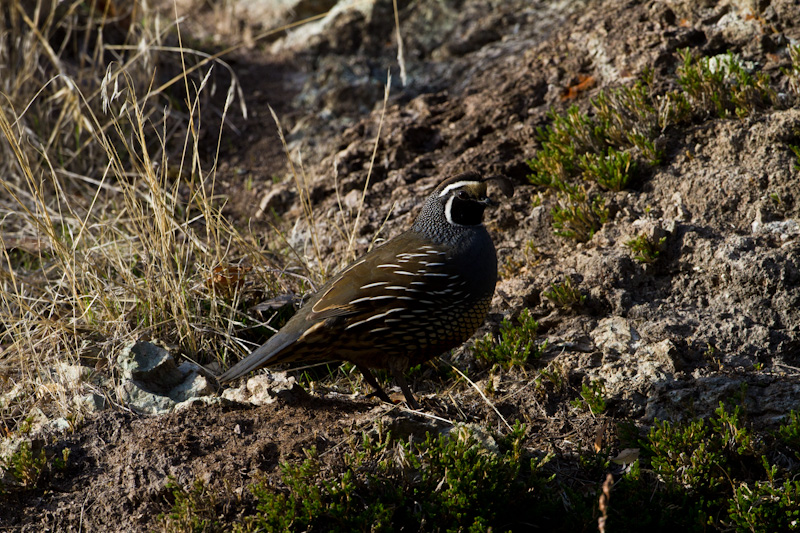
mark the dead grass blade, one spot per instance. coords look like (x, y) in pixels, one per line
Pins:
(485, 399)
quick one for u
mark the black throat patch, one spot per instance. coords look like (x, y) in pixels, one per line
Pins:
(466, 212)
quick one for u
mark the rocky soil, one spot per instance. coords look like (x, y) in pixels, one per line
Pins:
(716, 316)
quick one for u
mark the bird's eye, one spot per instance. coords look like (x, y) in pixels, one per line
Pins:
(463, 195)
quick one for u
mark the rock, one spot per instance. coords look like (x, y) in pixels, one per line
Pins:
(614, 336)
(143, 401)
(784, 229)
(152, 381)
(766, 398)
(260, 389)
(151, 365)
(58, 425)
(303, 35)
(201, 400)
(68, 374)
(352, 200)
(277, 200)
(91, 402)
(193, 386)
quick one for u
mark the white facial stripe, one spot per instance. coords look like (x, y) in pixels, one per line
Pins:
(456, 185)
(447, 208)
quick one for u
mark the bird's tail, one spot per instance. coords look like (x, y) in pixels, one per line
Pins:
(263, 356)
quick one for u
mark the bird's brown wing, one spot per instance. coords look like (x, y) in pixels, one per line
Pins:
(368, 296)
(353, 291)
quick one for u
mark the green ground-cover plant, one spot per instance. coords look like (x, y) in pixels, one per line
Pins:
(645, 248)
(611, 170)
(793, 71)
(610, 144)
(796, 151)
(515, 346)
(577, 216)
(600, 147)
(722, 85)
(711, 474)
(443, 483)
(720, 467)
(765, 506)
(565, 295)
(789, 433)
(193, 510)
(591, 397)
(23, 468)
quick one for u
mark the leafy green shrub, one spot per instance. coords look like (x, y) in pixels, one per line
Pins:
(789, 433)
(24, 467)
(578, 217)
(764, 507)
(611, 170)
(624, 121)
(646, 249)
(793, 72)
(194, 510)
(722, 85)
(444, 483)
(796, 152)
(697, 455)
(514, 347)
(564, 295)
(591, 397)
(628, 118)
(700, 461)
(700, 475)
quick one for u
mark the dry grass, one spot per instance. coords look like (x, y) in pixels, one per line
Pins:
(110, 227)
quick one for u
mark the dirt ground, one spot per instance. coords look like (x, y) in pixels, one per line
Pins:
(720, 309)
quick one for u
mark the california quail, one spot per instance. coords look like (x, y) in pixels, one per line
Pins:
(416, 296)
